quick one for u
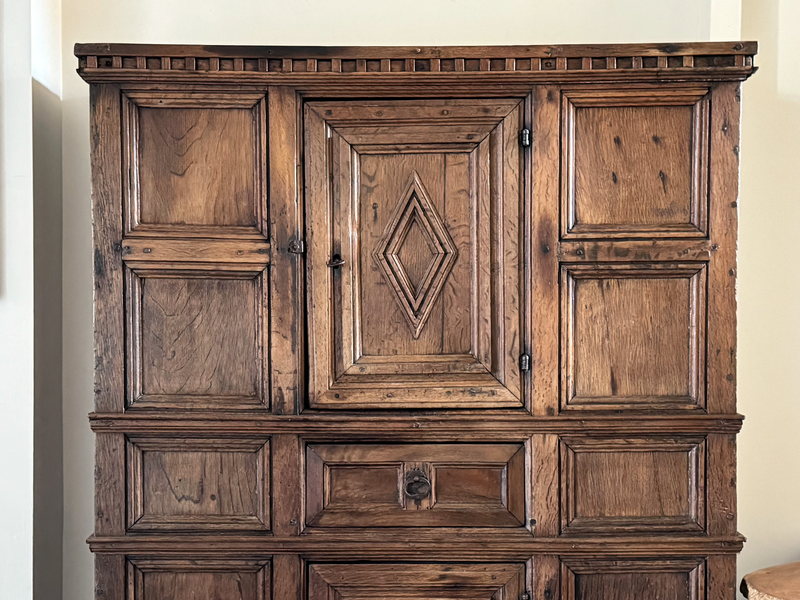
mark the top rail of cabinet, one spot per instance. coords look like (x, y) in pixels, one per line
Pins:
(299, 65)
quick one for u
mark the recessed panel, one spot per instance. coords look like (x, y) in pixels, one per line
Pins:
(416, 581)
(199, 484)
(196, 341)
(640, 485)
(633, 336)
(416, 212)
(410, 485)
(674, 579)
(635, 163)
(198, 579)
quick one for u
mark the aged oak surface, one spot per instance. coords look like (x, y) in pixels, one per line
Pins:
(413, 323)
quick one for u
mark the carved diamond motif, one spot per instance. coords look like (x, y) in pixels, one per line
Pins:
(416, 254)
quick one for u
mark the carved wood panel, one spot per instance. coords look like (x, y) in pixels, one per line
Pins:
(633, 336)
(632, 485)
(425, 485)
(635, 162)
(416, 216)
(670, 579)
(198, 484)
(197, 579)
(421, 582)
(195, 163)
(196, 340)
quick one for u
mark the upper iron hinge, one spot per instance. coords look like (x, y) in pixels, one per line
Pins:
(297, 247)
(525, 137)
(525, 362)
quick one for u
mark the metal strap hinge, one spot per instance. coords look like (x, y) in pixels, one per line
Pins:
(525, 137)
(525, 362)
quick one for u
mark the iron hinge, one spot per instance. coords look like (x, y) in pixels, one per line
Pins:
(525, 137)
(297, 247)
(525, 596)
(525, 362)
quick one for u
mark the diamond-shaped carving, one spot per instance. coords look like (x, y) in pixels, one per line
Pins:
(416, 254)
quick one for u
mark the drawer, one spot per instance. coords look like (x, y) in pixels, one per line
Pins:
(415, 581)
(415, 485)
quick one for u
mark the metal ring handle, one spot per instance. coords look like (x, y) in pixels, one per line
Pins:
(335, 261)
(417, 486)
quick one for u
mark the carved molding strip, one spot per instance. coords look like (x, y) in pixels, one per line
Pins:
(683, 57)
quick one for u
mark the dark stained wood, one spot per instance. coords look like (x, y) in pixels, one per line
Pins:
(360, 336)
(109, 328)
(420, 203)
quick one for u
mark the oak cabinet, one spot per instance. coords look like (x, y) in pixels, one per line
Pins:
(415, 322)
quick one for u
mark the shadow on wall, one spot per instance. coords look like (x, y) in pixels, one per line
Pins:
(48, 481)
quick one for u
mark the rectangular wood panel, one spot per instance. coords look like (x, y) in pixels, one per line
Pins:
(196, 162)
(618, 486)
(635, 162)
(416, 215)
(195, 340)
(198, 484)
(466, 485)
(665, 579)
(198, 579)
(416, 581)
(633, 336)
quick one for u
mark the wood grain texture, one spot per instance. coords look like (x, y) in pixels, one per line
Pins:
(109, 328)
(480, 485)
(635, 163)
(414, 211)
(195, 341)
(633, 336)
(633, 485)
(415, 581)
(187, 579)
(196, 166)
(359, 335)
(199, 484)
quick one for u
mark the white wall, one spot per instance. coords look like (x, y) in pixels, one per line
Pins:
(769, 336)
(769, 288)
(16, 302)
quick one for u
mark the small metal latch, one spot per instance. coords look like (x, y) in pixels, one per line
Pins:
(297, 247)
(525, 137)
(525, 362)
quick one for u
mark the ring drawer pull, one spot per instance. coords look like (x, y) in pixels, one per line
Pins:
(417, 487)
(336, 261)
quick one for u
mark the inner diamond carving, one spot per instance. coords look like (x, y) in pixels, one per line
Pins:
(416, 254)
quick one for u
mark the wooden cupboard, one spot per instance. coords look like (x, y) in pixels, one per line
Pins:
(415, 322)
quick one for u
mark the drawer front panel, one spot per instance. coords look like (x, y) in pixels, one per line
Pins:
(414, 581)
(405, 485)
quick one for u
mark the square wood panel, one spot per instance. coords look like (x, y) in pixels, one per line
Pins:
(195, 163)
(668, 579)
(198, 484)
(633, 336)
(196, 340)
(461, 485)
(635, 163)
(632, 485)
(198, 579)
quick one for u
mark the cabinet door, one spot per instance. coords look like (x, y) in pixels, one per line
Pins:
(415, 218)
(414, 581)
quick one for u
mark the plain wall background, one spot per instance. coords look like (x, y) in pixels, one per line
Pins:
(769, 448)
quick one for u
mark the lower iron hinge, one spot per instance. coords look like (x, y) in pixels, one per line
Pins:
(525, 137)
(525, 362)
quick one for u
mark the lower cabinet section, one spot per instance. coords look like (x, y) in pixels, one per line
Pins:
(422, 582)
(293, 577)
(182, 579)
